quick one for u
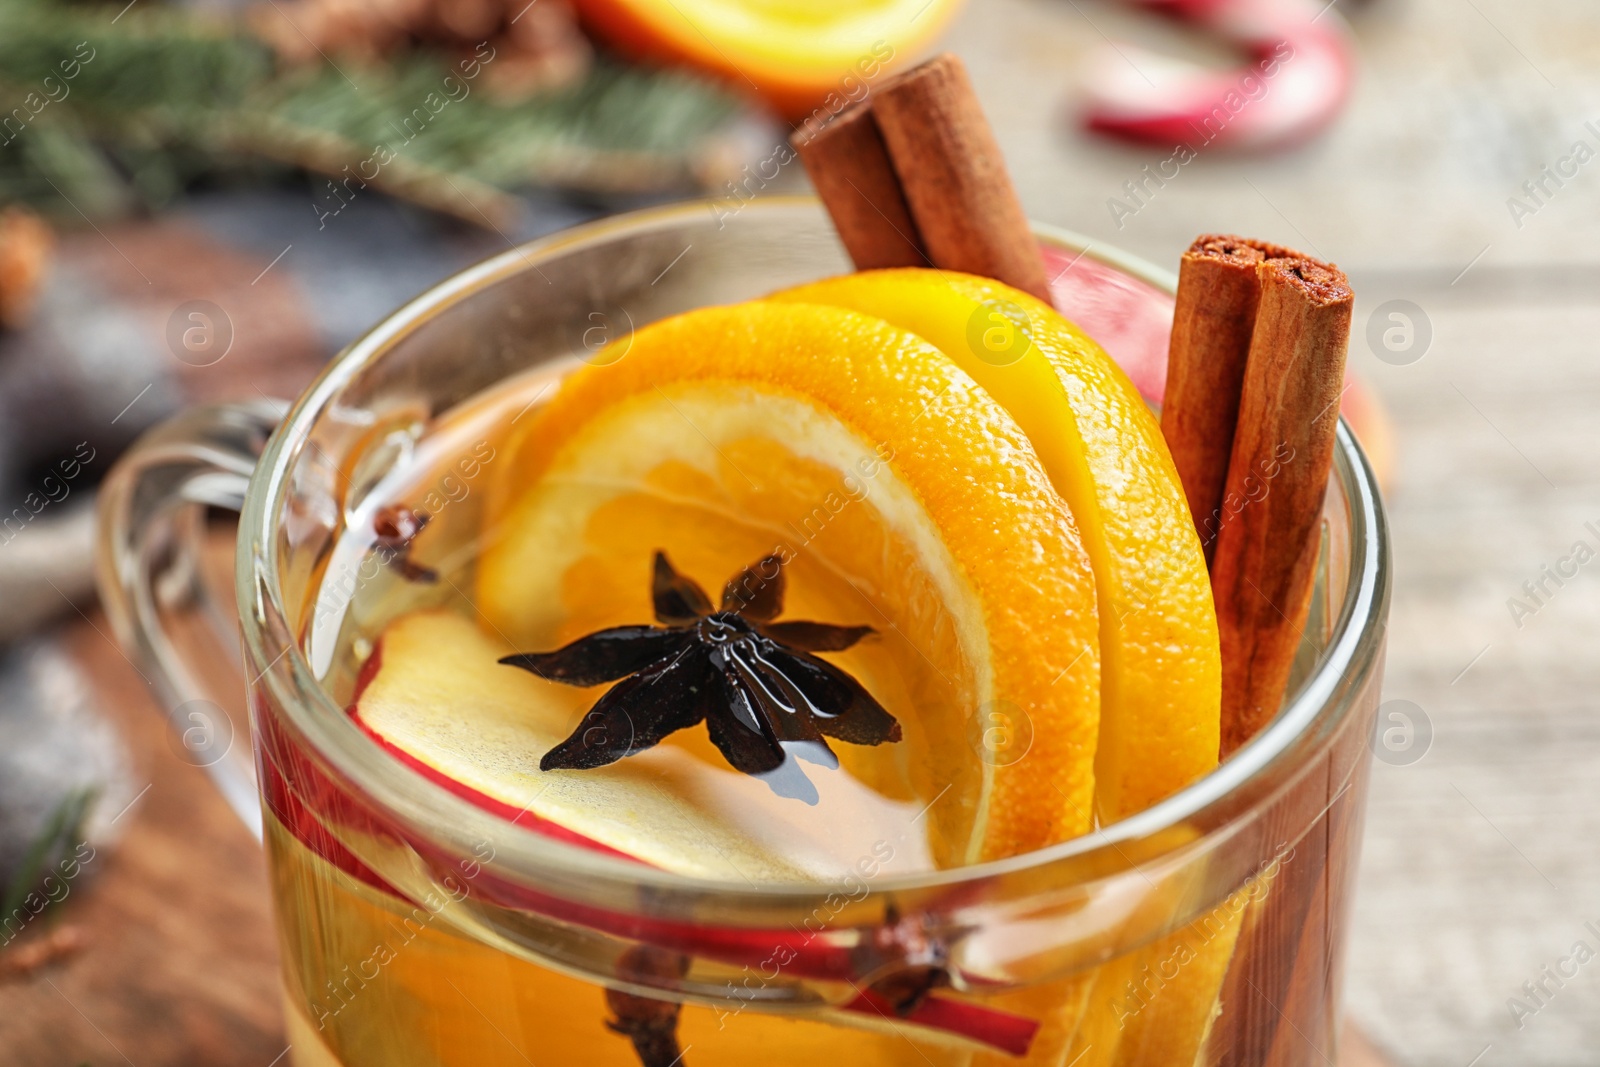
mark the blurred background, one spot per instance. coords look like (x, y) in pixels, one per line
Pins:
(206, 201)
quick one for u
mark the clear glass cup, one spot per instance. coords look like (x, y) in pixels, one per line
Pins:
(417, 928)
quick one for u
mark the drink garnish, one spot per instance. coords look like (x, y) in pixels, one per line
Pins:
(913, 177)
(650, 1023)
(1254, 379)
(917, 954)
(752, 679)
(394, 529)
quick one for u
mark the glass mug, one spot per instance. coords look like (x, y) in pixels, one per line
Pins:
(418, 928)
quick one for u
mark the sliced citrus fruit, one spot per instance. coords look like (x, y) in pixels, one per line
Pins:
(799, 54)
(902, 498)
(1167, 1016)
(1160, 669)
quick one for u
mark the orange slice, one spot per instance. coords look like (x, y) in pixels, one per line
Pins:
(903, 497)
(801, 55)
(1160, 668)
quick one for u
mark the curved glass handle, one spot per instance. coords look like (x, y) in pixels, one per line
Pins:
(174, 627)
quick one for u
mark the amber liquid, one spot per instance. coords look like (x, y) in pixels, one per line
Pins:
(377, 981)
(373, 979)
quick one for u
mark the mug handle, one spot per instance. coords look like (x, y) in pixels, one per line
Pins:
(168, 620)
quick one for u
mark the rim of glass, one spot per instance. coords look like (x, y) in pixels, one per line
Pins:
(278, 662)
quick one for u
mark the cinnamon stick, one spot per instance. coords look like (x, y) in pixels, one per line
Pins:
(955, 178)
(1287, 964)
(1212, 321)
(849, 165)
(1263, 567)
(944, 162)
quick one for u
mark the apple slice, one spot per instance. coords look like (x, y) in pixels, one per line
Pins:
(441, 703)
(435, 697)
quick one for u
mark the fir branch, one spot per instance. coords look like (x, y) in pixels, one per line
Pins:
(619, 130)
(62, 831)
(166, 98)
(320, 151)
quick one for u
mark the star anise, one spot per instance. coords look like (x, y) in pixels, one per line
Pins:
(765, 698)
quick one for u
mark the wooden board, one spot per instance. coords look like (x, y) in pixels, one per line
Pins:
(171, 957)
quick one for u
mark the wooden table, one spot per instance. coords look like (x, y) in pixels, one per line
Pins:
(1479, 869)
(170, 957)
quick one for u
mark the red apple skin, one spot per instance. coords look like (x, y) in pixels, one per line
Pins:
(1132, 321)
(500, 808)
(368, 671)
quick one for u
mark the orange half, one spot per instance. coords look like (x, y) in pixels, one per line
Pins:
(802, 55)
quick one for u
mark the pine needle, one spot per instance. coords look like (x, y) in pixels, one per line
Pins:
(161, 99)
